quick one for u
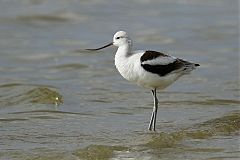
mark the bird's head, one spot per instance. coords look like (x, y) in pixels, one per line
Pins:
(120, 38)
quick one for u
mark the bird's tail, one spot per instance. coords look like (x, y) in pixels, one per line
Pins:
(189, 66)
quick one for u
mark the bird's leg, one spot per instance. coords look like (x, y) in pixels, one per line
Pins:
(155, 108)
(154, 112)
(152, 117)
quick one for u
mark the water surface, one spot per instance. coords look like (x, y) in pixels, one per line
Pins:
(59, 102)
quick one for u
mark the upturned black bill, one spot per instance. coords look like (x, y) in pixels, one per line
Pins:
(95, 49)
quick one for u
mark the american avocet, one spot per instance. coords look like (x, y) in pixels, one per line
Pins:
(149, 69)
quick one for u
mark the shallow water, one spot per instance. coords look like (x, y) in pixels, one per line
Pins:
(59, 102)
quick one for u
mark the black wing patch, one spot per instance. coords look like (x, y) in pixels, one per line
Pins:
(149, 55)
(163, 70)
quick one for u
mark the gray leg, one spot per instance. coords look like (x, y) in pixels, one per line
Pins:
(155, 109)
(152, 122)
(152, 117)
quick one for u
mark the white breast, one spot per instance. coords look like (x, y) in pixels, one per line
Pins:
(127, 66)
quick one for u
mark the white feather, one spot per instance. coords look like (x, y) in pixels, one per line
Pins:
(160, 60)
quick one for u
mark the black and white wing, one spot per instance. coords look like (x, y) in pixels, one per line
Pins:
(163, 64)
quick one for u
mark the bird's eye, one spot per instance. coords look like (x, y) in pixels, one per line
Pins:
(117, 37)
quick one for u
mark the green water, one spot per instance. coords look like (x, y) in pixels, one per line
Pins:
(59, 102)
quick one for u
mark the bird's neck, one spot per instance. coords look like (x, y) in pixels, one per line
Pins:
(124, 51)
(125, 63)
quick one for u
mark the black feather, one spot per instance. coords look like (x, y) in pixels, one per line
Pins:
(163, 70)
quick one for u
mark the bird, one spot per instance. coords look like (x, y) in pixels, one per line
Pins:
(147, 68)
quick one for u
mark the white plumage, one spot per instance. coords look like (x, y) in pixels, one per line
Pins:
(149, 69)
(160, 61)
